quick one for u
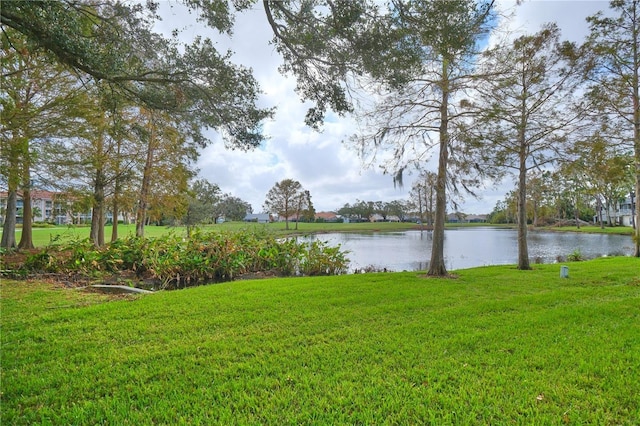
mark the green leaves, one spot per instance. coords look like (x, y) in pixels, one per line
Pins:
(288, 198)
(172, 262)
(115, 42)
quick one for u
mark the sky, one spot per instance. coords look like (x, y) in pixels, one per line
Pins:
(321, 161)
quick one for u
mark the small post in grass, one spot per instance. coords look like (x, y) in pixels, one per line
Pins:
(564, 272)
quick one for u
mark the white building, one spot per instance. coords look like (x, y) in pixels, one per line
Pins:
(46, 206)
(622, 213)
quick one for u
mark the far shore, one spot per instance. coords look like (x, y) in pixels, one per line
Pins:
(43, 236)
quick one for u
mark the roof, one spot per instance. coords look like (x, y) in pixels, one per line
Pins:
(36, 194)
(326, 215)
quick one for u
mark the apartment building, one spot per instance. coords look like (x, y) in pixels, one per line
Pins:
(47, 206)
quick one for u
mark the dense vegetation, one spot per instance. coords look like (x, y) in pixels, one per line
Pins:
(114, 115)
(494, 346)
(45, 235)
(171, 261)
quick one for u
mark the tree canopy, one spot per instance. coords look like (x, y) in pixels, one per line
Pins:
(615, 40)
(526, 111)
(285, 199)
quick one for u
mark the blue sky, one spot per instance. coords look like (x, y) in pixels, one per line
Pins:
(321, 162)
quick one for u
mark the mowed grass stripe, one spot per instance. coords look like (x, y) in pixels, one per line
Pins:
(493, 346)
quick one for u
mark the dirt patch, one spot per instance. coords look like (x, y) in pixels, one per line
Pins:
(15, 259)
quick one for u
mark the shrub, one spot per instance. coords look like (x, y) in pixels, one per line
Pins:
(40, 262)
(575, 256)
(176, 262)
(318, 259)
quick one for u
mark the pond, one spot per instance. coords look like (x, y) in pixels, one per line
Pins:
(469, 247)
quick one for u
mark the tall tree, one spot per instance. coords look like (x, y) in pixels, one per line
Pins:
(398, 208)
(233, 208)
(304, 207)
(209, 195)
(423, 194)
(284, 199)
(114, 43)
(605, 171)
(202, 199)
(616, 42)
(165, 169)
(122, 115)
(417, 111)
(98, 158)
(38, 103)
(525, 111)
(537, 190)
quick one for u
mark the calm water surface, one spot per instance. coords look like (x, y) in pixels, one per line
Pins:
(470, 247)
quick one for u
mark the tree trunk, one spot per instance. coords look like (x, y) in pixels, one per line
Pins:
(635, 81)
(13, 152)
(430, 210)
(115, 213)
(286, 214)
(26, 238)
(608, 207)
(141, 213)
(420, 208)
(437, 266)
(523, 248)
(636, 143)
(599, 216)
(576, 215)
(117, 187)
(97, 216)
(634, 220)
(9, 225)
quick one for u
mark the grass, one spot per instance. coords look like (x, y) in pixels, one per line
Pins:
(493, 346)
(43, 236)
(618, 230)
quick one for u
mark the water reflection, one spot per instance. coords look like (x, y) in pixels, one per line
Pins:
(470, 247)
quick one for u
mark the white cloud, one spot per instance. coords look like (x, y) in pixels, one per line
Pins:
(332, 173)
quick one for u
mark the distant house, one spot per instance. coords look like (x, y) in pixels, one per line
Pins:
(625, 212)
(477, 218)
(459, 217)
(259, 218)
(326, 216)
(456, 217)
(622, 213)
(375, 218)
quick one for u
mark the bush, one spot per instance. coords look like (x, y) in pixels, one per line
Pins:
(206, 257)
(318, 259)
(575, 256)
(43, 225)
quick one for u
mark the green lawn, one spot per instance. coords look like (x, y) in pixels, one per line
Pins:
(43, 236)
(620, 230)
(494, 346)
